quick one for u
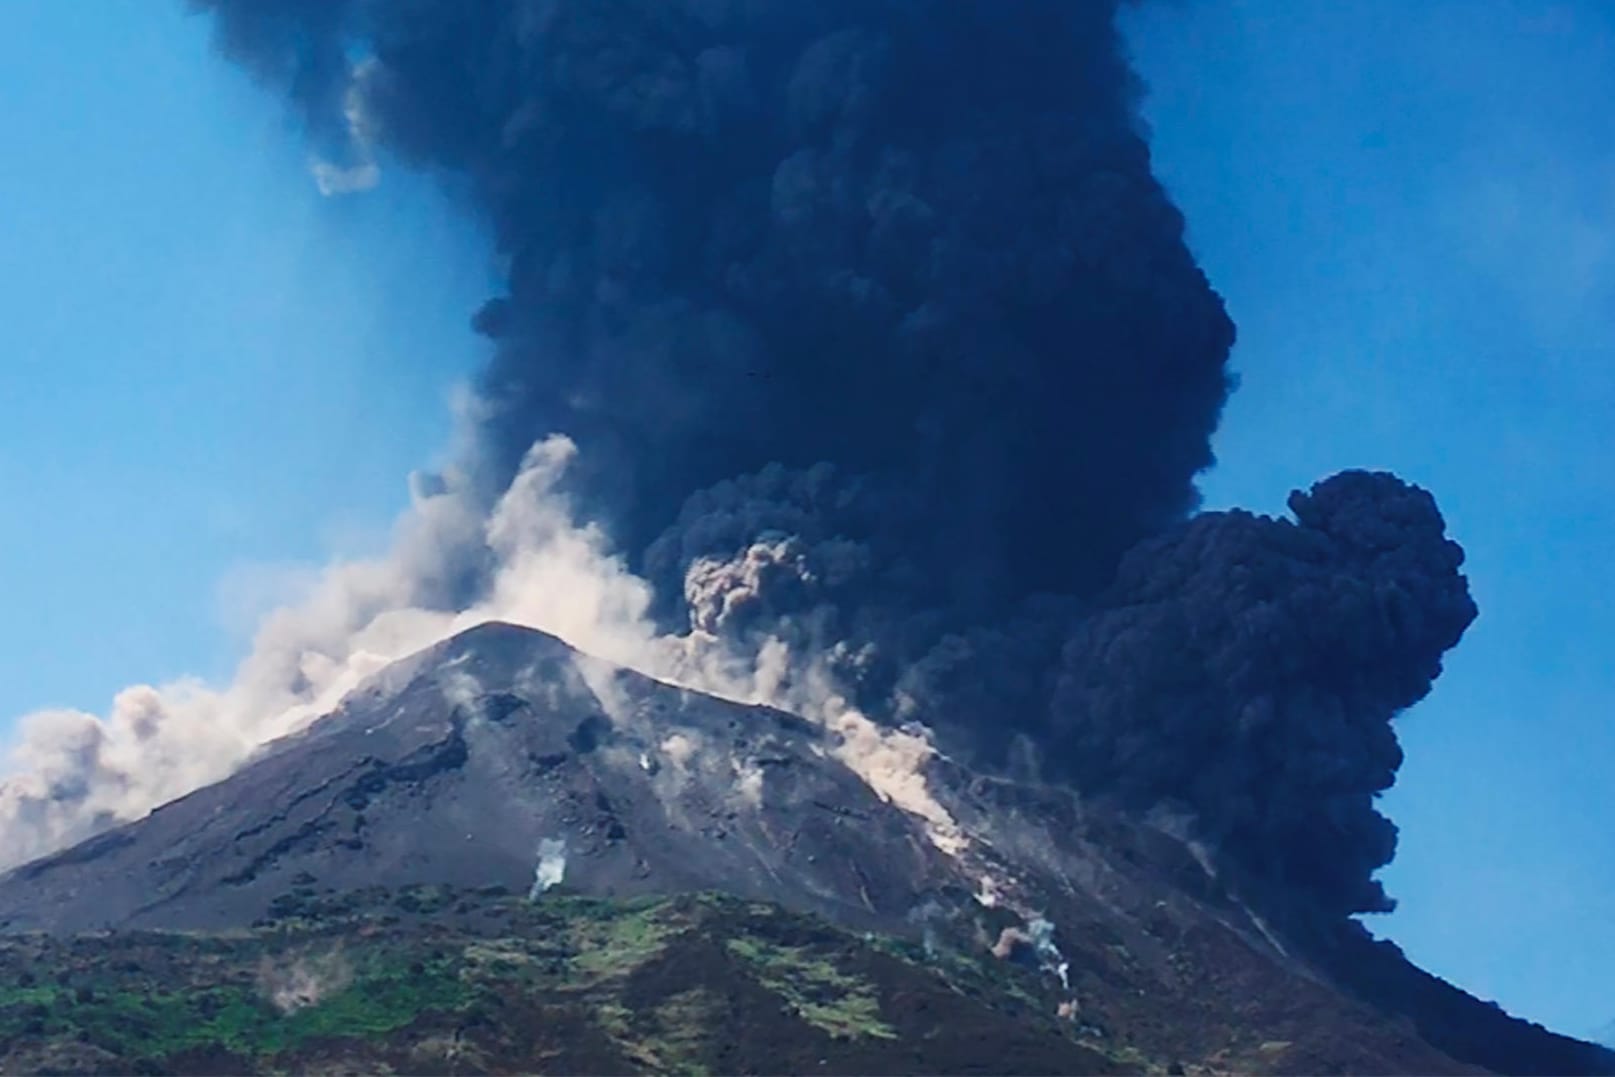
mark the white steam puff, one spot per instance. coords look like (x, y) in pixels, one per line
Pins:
(551, 867)
(72, 774)
(298, 983)
(360, 172)
(333, 179)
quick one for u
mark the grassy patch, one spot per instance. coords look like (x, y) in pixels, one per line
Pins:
(142, 1020)
(28, 996)
(820, 993)
(668, 1039)
(370, 1007)
(454, 980)
(984, 979)
(617, 945)
(680, 1028)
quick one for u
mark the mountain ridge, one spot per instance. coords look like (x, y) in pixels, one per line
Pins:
(502, 757)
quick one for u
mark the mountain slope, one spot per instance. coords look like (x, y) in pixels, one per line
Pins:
(502, 758)
(434, 980)
(442, 982)
(456, 768)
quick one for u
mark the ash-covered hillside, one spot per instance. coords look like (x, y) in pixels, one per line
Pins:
(459, 765)
(504, 759)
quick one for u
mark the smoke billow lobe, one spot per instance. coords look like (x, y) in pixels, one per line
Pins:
(1248, 668)
(876, 333)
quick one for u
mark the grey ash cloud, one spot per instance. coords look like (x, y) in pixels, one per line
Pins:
(875, 331)
(1248, 669)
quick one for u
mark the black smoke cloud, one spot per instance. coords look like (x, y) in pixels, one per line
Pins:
(1248, 669)
(876, 332)
(918, 240)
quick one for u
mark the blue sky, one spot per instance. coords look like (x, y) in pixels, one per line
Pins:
(205, 366)
(206, 369)
(1411, 211)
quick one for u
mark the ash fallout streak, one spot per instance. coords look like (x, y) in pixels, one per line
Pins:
(877, 335)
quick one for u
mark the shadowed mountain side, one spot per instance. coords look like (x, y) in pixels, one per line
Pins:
(1129, 888)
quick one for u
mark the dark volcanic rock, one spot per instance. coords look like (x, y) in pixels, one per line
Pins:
(456, 765)
(502, 752)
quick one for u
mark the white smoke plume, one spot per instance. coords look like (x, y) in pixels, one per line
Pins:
(1042, 936)
(749, 783)
(303, 981)
(71, 774)
(333, 179)
(360, 172)
(1038, 938)
(551, 867)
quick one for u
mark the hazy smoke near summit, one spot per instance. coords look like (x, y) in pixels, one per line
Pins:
(877, 338)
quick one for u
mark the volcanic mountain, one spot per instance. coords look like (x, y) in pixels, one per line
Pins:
(501, 759)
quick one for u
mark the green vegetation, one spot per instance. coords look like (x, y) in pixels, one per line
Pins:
(138, 1017)
(842, 1005)
(615, 945)
(431, 980)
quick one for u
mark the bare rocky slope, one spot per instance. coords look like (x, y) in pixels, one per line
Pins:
(504, 759)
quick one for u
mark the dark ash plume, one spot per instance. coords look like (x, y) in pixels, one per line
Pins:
(1248, 668)
(917, 239)
(877, 335)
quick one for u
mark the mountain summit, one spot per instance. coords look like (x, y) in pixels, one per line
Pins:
(462, 764)
(504, 759)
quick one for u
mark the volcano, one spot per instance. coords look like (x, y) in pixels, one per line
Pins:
(503, 760)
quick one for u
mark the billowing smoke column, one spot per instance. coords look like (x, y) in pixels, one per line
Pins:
(1248, 669)
(877, 335)
(916, 240)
